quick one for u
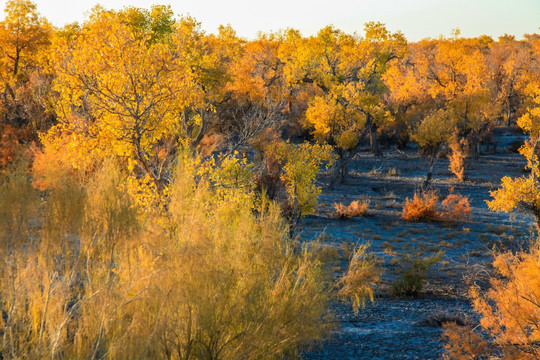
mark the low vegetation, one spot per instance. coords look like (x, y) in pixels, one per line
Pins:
(509, 310)
(90, 274)
(356, 208)
(425, 206)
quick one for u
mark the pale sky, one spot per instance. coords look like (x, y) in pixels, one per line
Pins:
(417, 19)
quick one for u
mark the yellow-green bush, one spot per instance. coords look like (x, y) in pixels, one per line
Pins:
(89, 274)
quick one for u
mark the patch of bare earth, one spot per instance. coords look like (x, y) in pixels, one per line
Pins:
(409, 327)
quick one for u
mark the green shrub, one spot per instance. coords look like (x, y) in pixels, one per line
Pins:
(413, 275)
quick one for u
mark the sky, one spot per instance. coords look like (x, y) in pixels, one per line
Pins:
(417, 19)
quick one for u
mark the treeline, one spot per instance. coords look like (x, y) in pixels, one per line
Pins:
(135, 83)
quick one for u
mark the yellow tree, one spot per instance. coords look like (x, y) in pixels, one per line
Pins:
(24, 40)
(523, 193)
(510, 62)
(131, 84)
(22, 33)
(456, 69)
(347, 72)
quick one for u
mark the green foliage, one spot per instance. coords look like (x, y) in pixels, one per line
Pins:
(300, 166)
(414, 274)
(434, 131)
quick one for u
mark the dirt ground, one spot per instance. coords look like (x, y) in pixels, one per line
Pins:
(409, 327)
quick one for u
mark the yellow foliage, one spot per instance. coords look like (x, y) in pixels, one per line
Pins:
(358, 282)
(522, 193)
(102, 275)
(301, 165)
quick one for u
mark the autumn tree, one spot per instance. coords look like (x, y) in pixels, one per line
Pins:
(346, 70)
(135, 84)
(523, 193)
(256, 94)
(510, 63)
(24, 37)
(298, 167)
(431, 134)
(456, 69)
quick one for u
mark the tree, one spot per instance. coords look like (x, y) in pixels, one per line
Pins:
(456, 70)
(22, 33)
(347, 72)
(509, 62)
(523, 193)
(300, 165)
(24, 74)
(134, 84)
(431, 134)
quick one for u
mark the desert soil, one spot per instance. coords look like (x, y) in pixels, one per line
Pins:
(409, 327)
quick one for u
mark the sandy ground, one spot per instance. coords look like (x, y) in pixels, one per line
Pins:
(408, 328)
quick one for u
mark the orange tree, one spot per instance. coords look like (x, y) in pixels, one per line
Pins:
(456, 69)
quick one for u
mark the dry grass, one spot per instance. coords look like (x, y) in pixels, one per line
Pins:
(357, 284)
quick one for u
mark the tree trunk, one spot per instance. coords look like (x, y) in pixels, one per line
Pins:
(429, 175)
(475, 147)
(373, 141)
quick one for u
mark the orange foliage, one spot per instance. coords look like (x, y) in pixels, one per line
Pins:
(11, 145)
(356, 208)
(457, 157)
(425, 207)
(511, 308)
(455, 207)
(462, 343)
(510, 312)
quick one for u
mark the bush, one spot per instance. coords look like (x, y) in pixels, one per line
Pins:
(89, 273)
(425, 207)
(356, 208)
(510, 312)
(358, 283)
(455, 208)
(414, 274)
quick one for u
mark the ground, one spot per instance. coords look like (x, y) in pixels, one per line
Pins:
(394, 327)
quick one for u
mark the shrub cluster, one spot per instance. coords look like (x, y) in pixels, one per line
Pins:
(87, 272)
(356, 208)
(425, 206)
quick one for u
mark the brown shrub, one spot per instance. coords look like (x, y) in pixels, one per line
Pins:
(456, 207)
(423, 207)
(356, 208)
(457, 157)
